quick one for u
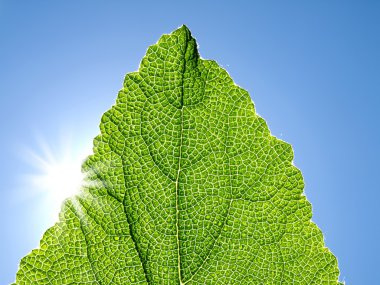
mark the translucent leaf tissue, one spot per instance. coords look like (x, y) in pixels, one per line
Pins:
(186, 185)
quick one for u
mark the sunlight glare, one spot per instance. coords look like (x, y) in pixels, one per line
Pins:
(58, 173)
(62, 178)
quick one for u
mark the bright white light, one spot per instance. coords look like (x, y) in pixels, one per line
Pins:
(60, 179)
(57, 174)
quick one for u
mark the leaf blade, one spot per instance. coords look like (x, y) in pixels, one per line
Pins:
(187, 187)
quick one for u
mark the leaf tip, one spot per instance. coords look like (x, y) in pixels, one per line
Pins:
(185, 31)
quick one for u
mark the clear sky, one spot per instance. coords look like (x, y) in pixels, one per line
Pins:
(312, 68)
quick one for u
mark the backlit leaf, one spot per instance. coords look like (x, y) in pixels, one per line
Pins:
(186, 186)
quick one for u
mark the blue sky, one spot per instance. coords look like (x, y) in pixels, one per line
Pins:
(312, 68)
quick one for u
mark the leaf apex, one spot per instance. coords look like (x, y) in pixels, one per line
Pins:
(184, 30)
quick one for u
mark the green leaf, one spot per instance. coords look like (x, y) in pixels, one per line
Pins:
(186, 186)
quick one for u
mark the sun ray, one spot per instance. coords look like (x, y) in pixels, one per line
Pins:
(56, 172)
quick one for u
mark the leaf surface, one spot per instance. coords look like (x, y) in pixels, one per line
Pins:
(186, 186)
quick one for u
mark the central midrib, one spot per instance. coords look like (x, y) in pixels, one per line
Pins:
(179, 166)
(177, 201)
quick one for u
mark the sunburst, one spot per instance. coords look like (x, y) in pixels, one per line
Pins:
(57, 174)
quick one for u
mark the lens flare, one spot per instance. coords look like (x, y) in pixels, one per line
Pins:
(61, 178)
(57, 174)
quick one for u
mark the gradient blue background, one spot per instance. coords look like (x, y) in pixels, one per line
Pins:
(312, 68)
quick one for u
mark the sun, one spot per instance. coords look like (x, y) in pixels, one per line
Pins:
(61, 178)
(56, 173)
